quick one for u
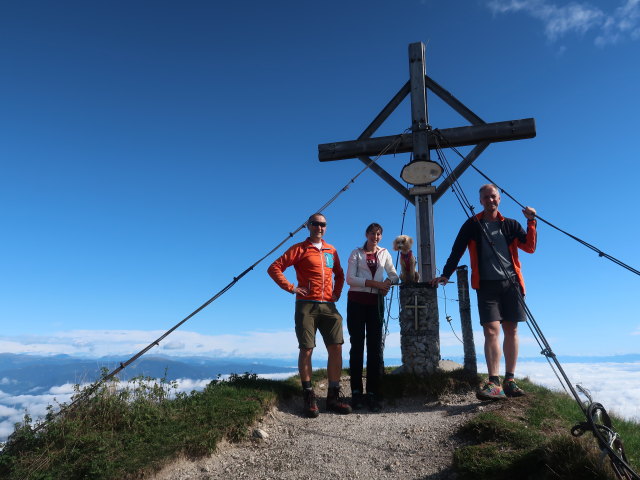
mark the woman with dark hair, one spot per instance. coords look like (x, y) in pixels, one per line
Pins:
(365, 314)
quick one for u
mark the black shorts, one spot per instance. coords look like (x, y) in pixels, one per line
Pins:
(499, 301)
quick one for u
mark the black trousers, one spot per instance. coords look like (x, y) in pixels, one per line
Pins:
(365, 323)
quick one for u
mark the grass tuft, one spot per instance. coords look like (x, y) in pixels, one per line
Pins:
(121, 431)
(488, 427)
(529, 438)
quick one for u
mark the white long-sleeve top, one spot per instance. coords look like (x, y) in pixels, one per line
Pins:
(358, 271)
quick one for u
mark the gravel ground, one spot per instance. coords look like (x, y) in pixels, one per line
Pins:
(408, 439)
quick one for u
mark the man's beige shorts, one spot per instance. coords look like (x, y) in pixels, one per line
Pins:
(314, 316)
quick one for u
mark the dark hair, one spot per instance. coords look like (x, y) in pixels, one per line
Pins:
(372, 228)
(315, 215)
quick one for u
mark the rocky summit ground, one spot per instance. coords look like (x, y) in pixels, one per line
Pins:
(409, 439)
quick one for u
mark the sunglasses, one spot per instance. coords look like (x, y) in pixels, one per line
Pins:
(318, 224)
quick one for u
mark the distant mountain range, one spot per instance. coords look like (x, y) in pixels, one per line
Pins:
(627, 358)
(22, 374)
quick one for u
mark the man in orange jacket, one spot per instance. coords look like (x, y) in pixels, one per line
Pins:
(316, 263)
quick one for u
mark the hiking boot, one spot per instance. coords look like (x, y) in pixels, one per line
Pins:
(511, 388)
(374, 402)
(491, 391)
(336, 403)
(357, 400)
(310, 408)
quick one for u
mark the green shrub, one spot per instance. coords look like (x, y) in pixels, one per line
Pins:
(119, 431)
(529, 438)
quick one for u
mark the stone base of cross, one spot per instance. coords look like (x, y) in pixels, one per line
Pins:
(419, 329)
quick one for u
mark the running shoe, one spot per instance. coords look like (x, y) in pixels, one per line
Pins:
(491, 391)
(511, 388)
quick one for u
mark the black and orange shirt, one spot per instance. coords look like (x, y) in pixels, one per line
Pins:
(469, 237)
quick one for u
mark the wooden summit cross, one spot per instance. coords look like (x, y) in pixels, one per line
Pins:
(421, 140)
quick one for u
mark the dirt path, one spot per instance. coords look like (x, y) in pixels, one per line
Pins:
(409, 439)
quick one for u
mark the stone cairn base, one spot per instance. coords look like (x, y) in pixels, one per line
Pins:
(419, 328)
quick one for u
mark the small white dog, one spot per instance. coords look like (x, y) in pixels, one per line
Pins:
(403, 244)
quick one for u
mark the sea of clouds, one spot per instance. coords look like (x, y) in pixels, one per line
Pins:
(615, 385)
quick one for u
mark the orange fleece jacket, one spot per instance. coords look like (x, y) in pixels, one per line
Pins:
(314, 270)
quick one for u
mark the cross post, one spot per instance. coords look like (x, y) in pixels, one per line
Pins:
(421, 194)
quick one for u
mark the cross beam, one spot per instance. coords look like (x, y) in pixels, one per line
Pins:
(455, 137)
(423, 139)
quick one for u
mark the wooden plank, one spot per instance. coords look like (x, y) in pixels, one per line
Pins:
(386, 111)
(468, 345)
(419, 118)
(420, 143)
(459, 170)
(455, 137)
(387, 177)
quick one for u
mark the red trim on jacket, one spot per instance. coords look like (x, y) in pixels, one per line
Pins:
(468, 237)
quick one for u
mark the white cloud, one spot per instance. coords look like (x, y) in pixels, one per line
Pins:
(7, 411)
(625, 21)
(283, 344)
(66, 389)
(13, 409)
(188, 384)
(98, 343)
(6, 429)
(36, 405)
(174, 346)
(577, 18)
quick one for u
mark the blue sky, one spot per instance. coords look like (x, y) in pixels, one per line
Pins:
(151, 151)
